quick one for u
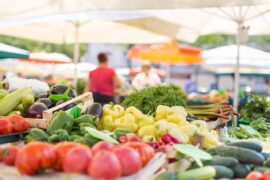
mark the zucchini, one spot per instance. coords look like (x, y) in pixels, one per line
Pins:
(223, 172)
(204, 173)
(166, 176)
(261, 169)
(266, 155)
(224, 161)
(245, 156)
(212, 151)
(248, 145)
(267, 162)
(241, 170)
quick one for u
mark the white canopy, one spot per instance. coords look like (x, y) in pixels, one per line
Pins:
(14, 9)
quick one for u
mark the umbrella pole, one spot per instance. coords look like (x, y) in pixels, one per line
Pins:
(236, 73)
(76, 53)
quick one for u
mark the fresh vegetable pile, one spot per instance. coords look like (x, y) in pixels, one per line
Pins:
(167, 120)
(234, 160)
(13, 124)
(121, 160)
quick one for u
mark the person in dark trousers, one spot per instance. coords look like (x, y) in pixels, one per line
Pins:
(102, 81)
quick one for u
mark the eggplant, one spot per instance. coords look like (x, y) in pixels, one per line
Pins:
(43, 95)
(67, 106)
(36, 110)
(94, 109)
(46, 101)
(61, 89)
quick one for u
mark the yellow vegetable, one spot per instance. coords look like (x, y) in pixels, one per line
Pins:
(113, 110)
(134, 111)
(178, 110)
(149, 138)
(147, 130)
(210, 141)
(107, 122)
(214, 133)
(189, 130)
(161, 112)
(163, 126)
(183, 123)
(179, 134)
(144, 120)
(176, 118)
(126, 122)
(199, 123)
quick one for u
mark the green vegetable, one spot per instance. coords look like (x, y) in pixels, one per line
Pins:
(10, 101)
(60, 120)
(248, 145)
(38, 134)
(149, 98)
(243, 132)
(223, 161)
(193, 152)
(84, 119)
(262, 126)
(27, 100)
(59, 135)
(204, 173)
(241, 170)
(266, 155)
(119, 133)
(243, 155)
(3, 93)
(262, 169)
(90, 140)
(100, 135)
(166, 176)
(83, 126)
(267, 162)
(59, 97)
(223, 172)
(28, 139)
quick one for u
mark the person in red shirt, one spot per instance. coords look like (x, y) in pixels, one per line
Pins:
(102, 81)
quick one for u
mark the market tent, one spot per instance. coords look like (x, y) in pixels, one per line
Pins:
(29, 8)
(7, 51)
(241, 21)
(48, 58)
(222, 57)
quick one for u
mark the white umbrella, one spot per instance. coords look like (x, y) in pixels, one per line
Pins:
(241, 21)
(15, 9)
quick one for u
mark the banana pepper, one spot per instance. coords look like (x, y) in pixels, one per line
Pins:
(147, 130)
(190, 130)
(136, 113)
(107, 122)
(144, 120)
(210, 140)
(126, 122)
(179, 134)
(113, 110)
(163, 126)
(161, 112)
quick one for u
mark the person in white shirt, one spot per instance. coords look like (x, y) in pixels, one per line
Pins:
(146, 78)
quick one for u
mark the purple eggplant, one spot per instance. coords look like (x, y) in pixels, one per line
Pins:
(46, 101)
(94, 109)
(67, 106)
(43, 95)
(61, 89)
(36, 110)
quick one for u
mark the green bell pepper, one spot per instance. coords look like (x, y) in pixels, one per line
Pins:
(59, 135)
(61, 120)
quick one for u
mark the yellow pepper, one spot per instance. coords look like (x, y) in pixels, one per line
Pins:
(134, 111)
(178, 110)
(144, 120)
(210, 141)
(114, 110)
(107, 122)
(126, 122)
(161, 112)
(163, 126)
(183, 123)
(199, 123)
(149, 138)
(189, 130)
(176, 118)
(179, 134)
(147, 130)
(214, 133)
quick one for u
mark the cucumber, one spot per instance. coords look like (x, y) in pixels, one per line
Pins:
(261, 169)
(240, 170)
(267, 162)
(204, 173)
(245, 156)
(166, 176)
(248, 145)
(266, 155)
(212, 151)
(223, 172)
(224, 161)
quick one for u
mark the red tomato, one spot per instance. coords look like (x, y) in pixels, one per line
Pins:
(146, 152)
(77, 154)
(104, 165)
(254, 175)
(35, 156)
(102, 145)
(5, 126)
(61, 149)
(9, 155)
(129, 159)
(266, 175)
(18, 123)
(129, 138)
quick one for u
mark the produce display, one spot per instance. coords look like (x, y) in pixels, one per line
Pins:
(13, 124)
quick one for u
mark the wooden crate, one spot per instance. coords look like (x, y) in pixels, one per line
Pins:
(146, 173)
(86, 99)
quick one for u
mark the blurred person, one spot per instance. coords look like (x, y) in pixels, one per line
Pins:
(146, 78)
(103, 81)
